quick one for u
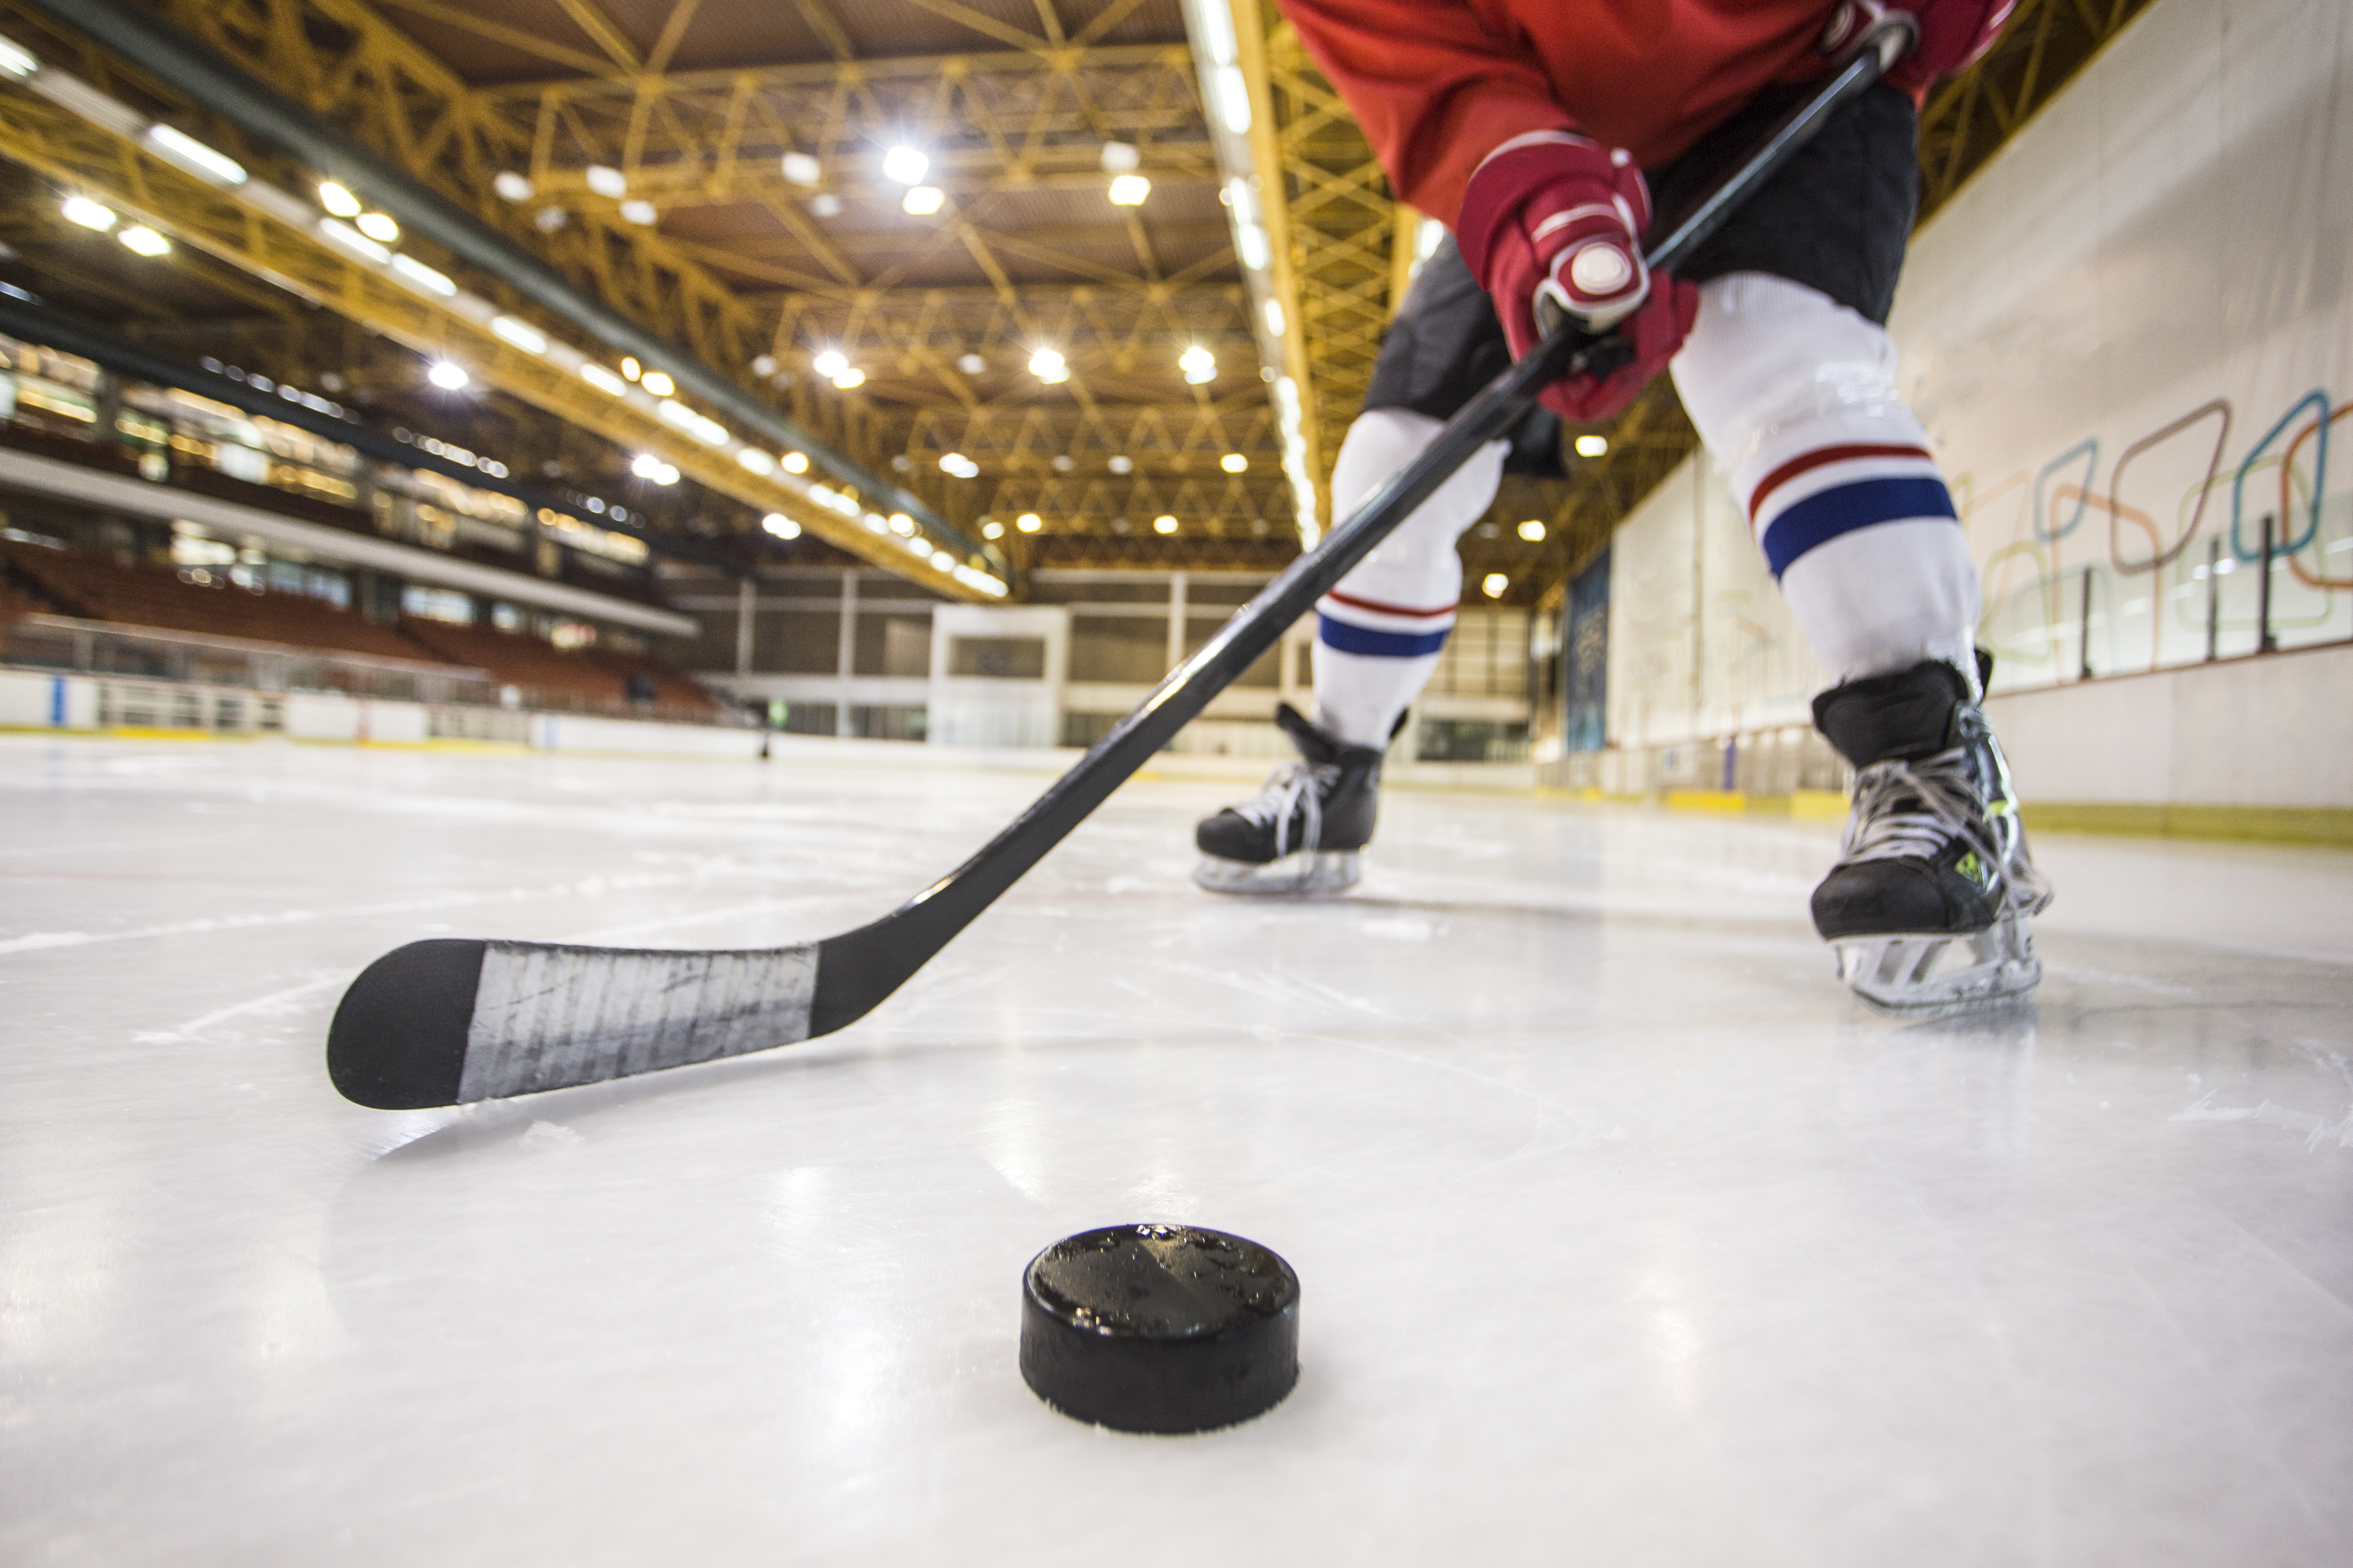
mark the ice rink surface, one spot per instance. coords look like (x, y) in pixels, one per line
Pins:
(1626, 1237)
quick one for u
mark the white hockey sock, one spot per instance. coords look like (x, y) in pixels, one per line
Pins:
(1795, 395)
(1378, 634)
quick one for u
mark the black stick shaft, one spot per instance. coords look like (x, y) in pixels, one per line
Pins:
(859, 968)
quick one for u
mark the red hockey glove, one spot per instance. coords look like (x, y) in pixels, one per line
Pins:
(1558, 216)
(1953, 36)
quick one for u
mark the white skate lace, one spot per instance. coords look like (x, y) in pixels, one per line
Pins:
(1294, 787)
(1914, 809)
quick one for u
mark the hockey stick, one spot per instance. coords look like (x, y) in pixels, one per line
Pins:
(446, 1021)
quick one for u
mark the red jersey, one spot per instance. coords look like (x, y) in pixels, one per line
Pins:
(1440, 84)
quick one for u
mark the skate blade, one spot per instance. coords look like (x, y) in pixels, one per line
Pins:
(1310, 874)
(1935, 974)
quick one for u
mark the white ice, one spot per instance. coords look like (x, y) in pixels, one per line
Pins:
(1626, 1236)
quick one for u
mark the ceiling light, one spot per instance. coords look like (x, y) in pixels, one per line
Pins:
(831, 362)
(423, 277)
(1129, 190)
(992, 531)
(1233, 99)
(972, 364)
(1119, 158)
(1163, 523)
(629, 366)
(1532, 531)
(794, 463)
(1234, 463)
(852, 377)
(922, 201)
(88, 213)
(144, 240)
(959, 465)
(1592, 445)
(1249, 241)
(943, 559)
(179, 147)
(1028, 522)
(905, 164)
(1199, 365)
(448, 376)
(355, 242)
(522, 334)
(610, 183)
(765, 365)
(337, 200)
(603, 380)
(17, 60)
(752, 460)
(1049, 367)
(902, 525)
(639, 212)
(646, 466)
(801, 169)
(1494, 584)
(511, 186)
(547, 220)
(377, 226)
(1122, 464)
(657, 383)
(780, 525)
(825, 204)
(1273, 309)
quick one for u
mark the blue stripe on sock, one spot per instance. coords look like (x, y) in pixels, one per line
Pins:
(1378, 645)
(1819, 518)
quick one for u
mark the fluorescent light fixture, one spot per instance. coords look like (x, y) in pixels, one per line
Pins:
(780, 525)
(1216, 38)
(1028, 522)
(1163, 523)
(943, 559)
(646, 466)
(144, 240)
(957, 463)
(423, 277)
(522, 334)
(1494, 584)
(752, 460)
(610, 183)
(639, 212)
(1234, 463)
(800, 169)
(659, 383)
(1233, 99)
(794, 463)
(513, 188)
(603, 380)
(905, 164)
(710, 432)
(355, 242)
(88, 213)
(1592, 445)
(902, 525)
(449, 377)
(1249, 243)
(178, 147)
(1532, 531)
(1273, 310)
(922, 201)
(16, 60)
(337, 200)
(377, 226)
(1129, 190)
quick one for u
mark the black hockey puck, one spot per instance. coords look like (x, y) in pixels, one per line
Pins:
(1160, 1327)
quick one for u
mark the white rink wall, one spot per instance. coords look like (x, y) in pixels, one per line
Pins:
(2128, 336)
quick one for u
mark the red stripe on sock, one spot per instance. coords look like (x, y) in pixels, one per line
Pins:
(1380, 609)
(1815, 459)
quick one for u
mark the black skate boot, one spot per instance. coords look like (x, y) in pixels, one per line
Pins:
(1928, 906)
(1301, 836)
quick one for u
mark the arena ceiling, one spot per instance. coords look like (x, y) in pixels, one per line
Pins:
(641, 146)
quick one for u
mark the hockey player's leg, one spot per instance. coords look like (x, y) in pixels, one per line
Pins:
(1377, 639)
(1929, 903)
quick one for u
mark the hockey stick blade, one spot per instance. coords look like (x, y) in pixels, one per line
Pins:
(445, 1021)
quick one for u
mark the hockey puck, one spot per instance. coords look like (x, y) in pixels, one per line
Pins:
(1160, 1327)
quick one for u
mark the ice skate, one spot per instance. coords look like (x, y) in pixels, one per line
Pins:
(1303, 833)
(1930, 905)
